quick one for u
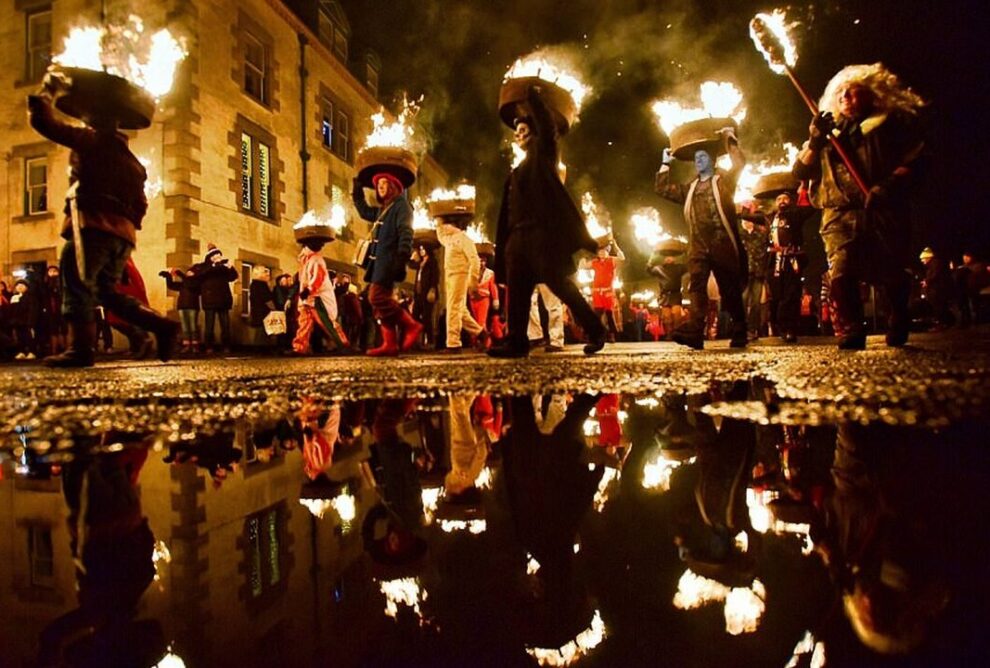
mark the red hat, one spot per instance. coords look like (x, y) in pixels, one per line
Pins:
(388, 177)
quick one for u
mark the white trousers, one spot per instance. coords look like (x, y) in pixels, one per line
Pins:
(555, 309)
(458, 315)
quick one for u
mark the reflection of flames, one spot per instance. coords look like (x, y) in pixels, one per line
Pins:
(648, 227)
(159, 557)
(718, 100)
(657, 473)
(532, 565)
(404, 591)
(471, 526)
(170, 660)
(422, 220)
(146, 60)
(595, 217)
(604, 486)
(776, 24)
(585, 276)
(400, 133)
(751, 173)
(463, 192)
(317, 507)
(431, 497)
(335, 217)
(744, 606)
(484, 480)
(646, 402)
(808, 645)
(518, 155)
(574, 650)
(153, 184)
(762, 519)
(346, 507)
(552, 69)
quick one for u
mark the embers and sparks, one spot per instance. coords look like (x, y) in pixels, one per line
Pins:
(596, 218)
(552, 68)
(751, 173)
(771, 35)
(718, 100)
(574, 650)
(399, 133)
(148, 60)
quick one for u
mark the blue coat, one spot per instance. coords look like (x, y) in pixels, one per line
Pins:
(392, 238)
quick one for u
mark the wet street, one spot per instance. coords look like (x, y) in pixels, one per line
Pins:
(778, 506)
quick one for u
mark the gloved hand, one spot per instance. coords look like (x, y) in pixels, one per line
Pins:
(877, 197)
(820, 129)
(164, 274)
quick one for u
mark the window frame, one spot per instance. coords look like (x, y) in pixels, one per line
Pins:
(257, 177)
(327, 110)
(265, 538)
(31, 49)
(341, 143)
(30, 187)
(262, 70)
(34, 533)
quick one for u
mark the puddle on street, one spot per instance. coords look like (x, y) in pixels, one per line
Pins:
(600, 530)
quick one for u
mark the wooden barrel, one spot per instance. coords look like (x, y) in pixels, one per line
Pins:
(93, 96)
(322, 233)
(770, 185)
(451, 207)
(702, 134)
(399, 162)
(512, 102)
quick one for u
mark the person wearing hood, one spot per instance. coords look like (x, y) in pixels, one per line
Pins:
(215, 276)
(391, 246)
(539, 230)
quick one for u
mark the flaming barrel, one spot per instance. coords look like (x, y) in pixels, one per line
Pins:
(771, 185)
(397, 161)
(486, 249)
(512, 102)
(441, 208)
(94, 96)
(698, 135)
(670, 247)
(306, 233)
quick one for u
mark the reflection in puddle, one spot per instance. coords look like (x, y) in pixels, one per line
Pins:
(550, 530)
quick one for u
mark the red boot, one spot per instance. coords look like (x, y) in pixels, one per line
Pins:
(389, 347)
(411, 331)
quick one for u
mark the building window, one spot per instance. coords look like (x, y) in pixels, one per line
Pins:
(264, 544)
(326, 106)
(373, 81)
(35, 186)
(256, 176)
(41, 556)
(340, 45)
(341, 140)
(246, 269)
(256, 68)
(333, 28)
(325, 29)
(38, 43)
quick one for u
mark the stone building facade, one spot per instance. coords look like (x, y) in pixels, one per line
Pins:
(263, 123)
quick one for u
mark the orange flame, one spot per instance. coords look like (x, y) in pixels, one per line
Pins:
(783, 53)
(751, 173)
(718, 100)
(399, 133)
(552, 68)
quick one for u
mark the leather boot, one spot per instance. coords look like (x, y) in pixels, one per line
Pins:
(138, 341)
(166, 331)
(80, 351)
(389, 347)
(411, 331)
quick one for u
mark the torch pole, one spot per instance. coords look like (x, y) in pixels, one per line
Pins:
(835, 142)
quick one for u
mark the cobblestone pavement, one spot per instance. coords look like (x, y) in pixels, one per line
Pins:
(938, 379)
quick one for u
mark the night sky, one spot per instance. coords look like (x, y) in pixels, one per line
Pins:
(455, 52)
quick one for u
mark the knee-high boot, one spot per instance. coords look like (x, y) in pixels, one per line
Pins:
(80, 351)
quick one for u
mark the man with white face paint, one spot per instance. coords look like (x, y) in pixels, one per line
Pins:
(714, 243)
(539, 230)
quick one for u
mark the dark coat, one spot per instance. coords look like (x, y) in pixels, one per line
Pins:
(25, 311)
(428, 277)
(392, 237)
(188, 288)
(260, 298)
(534, 199)
(214, 282)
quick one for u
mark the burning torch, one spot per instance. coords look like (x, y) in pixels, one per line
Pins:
(769, 34)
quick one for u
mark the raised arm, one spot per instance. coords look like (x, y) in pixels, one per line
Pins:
(546, 129)
(368, 213)
(42, 118)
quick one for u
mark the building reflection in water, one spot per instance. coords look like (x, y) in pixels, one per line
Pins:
(524, 530)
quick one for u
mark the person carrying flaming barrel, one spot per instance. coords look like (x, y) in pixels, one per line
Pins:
(874, 117)
(539, 230)
(786, 263)
(392, 246)
(104, 209)
(714, 244)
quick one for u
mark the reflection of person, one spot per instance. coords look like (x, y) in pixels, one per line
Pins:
(391, 246)
(714, 246)
(467, 450)
(112, 547)
(107, 200)
(539, 229)
(866, 236)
